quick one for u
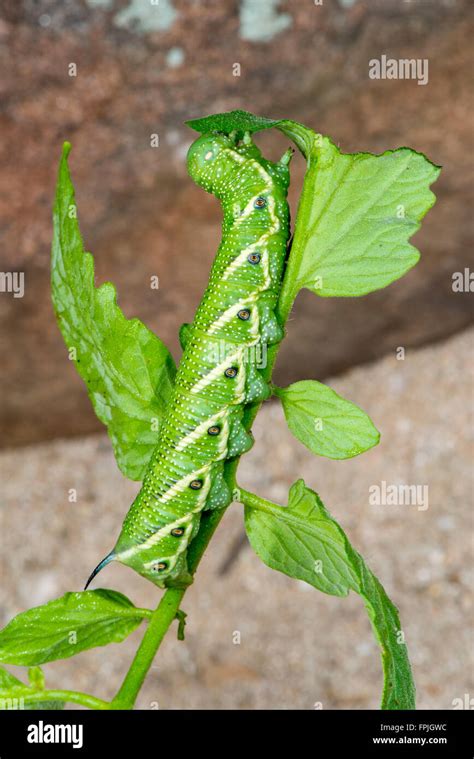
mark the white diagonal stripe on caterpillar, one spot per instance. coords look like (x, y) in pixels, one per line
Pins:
(260, 245)
(180, 485)
(242, 258)
(166, 529)
(192, 436)
(229, 314)
(237, 358)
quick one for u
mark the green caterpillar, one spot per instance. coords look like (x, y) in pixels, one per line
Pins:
(218, 374)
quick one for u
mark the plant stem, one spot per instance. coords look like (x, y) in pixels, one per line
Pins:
(157, 628)
(65, 695)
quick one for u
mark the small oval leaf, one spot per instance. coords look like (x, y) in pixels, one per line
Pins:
(324, 422)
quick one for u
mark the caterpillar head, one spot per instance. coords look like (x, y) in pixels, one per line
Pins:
(207, 163)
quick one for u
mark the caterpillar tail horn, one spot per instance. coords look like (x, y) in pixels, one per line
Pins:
(110, 557)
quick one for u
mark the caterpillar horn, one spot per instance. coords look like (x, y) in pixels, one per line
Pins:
(110, 556)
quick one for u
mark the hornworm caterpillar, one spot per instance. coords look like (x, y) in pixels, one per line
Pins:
(218, 373)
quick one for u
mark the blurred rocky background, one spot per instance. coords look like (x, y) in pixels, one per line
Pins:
(109, 74)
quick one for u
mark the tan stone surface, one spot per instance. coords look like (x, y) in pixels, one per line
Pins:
(298, 647)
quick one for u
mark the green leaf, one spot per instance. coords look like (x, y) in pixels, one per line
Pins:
(13, 692)
(231, 121)
(303, 541)
(326, 423)
(128, 371)
(7, 680)
(356, 214)
(243, 121)
(70, 624)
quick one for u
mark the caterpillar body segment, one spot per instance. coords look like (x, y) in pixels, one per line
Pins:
(219, 373)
